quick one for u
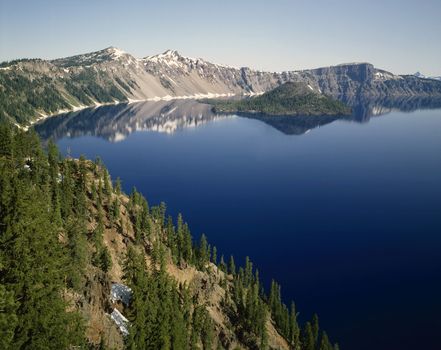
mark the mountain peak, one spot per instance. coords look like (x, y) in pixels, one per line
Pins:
(110, 53)
(166, 55)
(171, 53)
(114, 51)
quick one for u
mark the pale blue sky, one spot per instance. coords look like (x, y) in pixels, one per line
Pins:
(400, 36)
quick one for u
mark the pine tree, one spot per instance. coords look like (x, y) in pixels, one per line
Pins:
(187, 249)
(117, 187)
(78, 252)
(294, 332)
(315, 328)
(222, 265)
(35, 252)
(138, 280)
(178, 325)
(207, 331)
(105, 259)
(325, 344)
(308, 341)
(263, 339)
(203, 252)
(53, 159)
(248, 271)
(6, 140)
(107, 184)
(8, 317)
(214, 255)
(180, 237)
(232, 266)
(93, 192)
(67, 189)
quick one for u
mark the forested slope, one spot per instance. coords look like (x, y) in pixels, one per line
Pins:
(67, 233)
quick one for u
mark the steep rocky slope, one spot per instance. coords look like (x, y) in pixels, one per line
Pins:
(208, 287)
(33, 88)
(96, 304)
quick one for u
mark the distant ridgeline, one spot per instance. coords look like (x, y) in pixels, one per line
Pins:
(32, 88)
(84, 266)
(287, 99)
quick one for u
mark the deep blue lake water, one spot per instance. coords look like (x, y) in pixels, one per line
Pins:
(347, 216)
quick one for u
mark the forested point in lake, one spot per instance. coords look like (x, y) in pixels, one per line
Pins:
(57, 258)
(291, 98)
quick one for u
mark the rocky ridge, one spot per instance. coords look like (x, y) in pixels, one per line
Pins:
(31, 89)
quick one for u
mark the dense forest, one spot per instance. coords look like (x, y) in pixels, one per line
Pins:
(67, 231)
(25, 92)
(292, 98)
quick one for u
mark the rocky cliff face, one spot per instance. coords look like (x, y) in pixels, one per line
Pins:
(29, 88)
(363, 79)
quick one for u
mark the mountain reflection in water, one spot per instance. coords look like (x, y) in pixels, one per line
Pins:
(115, 122)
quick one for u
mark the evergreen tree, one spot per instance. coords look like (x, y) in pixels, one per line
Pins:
(315, 328)
(214, 255)
(179, 338)
(8, 317)
(324, 344)
(53, 159)
(6, 140)
(180, 237)
(203, 252)
(187, 249)
(117, 187)
(294, 332)
(308, 341)
(222, 265)
(67, 189)
(30, 241)
(105, 259)
(232, 266)
(78, 253)
(107, 184)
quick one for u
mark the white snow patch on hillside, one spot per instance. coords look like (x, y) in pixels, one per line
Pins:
(121, 321)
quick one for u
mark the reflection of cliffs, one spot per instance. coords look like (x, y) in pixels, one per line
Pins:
(115, 122)
(363, 108)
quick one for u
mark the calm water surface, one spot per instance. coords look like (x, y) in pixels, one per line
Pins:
(347, 216)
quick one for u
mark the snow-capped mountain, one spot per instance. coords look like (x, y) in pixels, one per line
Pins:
(112, 75)
(88, 59)
(420, 75)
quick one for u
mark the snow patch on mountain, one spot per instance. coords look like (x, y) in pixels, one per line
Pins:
(422, 76)
(121, 322)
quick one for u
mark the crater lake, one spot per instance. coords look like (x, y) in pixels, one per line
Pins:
(345, 213)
